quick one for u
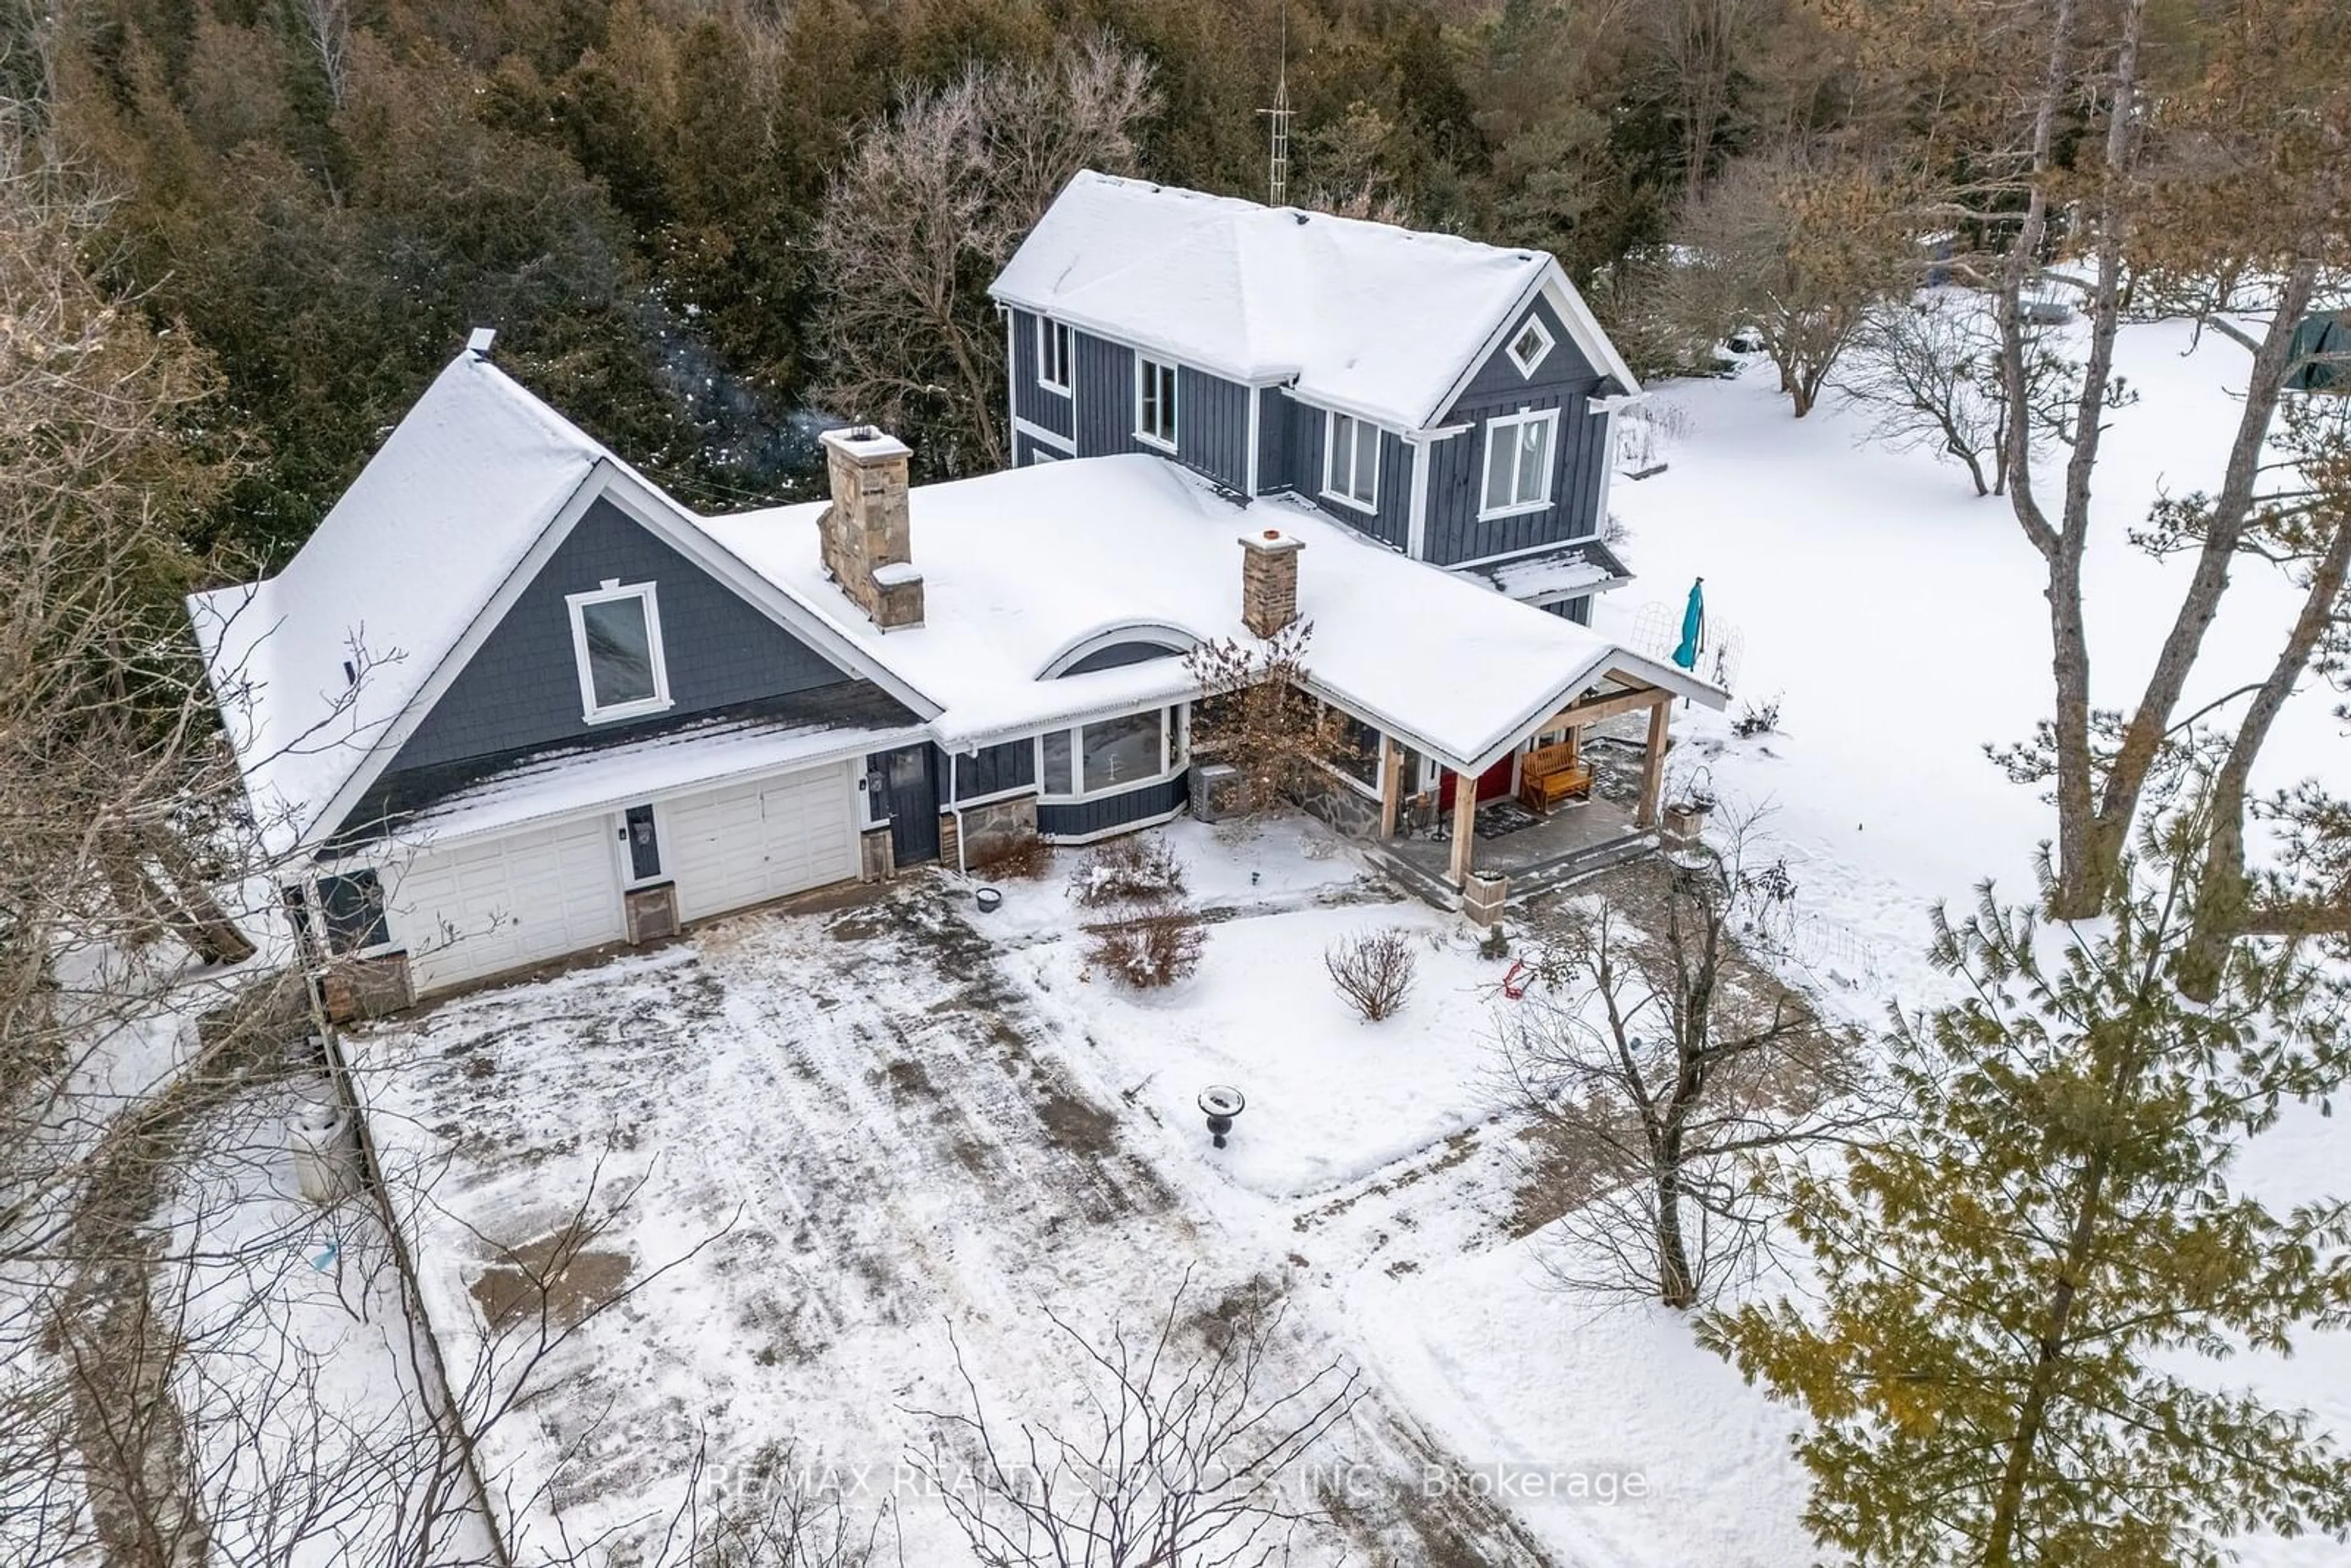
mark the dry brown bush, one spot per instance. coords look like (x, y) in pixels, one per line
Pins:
(1134, 870)
(1373, 969)
(1026, 859)
(1150, 948)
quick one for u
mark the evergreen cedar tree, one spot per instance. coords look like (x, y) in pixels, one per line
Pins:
(2009, 1285)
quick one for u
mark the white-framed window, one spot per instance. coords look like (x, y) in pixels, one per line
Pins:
(1055, 345)
(1351, 462)
(1519, 448)
(1531, 347)
(1109, 755)
(1154, 402)
(616, 636)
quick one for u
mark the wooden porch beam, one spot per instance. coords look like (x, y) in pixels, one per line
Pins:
(1652, 766)
(1391, 784)
(1591, 710)
(1464, 825)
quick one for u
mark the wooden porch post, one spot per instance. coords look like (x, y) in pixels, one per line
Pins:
(1653, 762)
(1391, 784)
(1465, 824)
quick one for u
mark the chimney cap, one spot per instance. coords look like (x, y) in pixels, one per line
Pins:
(866, 444)
(1272, 541)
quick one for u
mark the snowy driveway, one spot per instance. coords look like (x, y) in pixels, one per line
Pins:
(807, 1145)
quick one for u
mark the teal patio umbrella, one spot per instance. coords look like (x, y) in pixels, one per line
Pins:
(1693, 627)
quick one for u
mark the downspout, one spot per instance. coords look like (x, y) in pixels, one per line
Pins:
(1012, 384)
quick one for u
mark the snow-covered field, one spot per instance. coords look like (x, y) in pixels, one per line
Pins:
(823, 1138)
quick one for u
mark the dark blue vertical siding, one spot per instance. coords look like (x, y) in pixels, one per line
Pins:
(1027, 449)
(1391, 524)
(1212, 426)
(1273, 443)
(1045, 409)
(1105, 391)
(993, 770)
(1566, 381)
(1083, 819)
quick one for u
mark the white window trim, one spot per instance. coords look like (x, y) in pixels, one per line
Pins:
(1172, 756)
(1175, 404)
(1331, 418)
(1512, 422)
(1047, 330)
(1528, 366)
(660, 701)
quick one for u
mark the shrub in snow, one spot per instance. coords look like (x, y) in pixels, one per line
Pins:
(1754, 719)
(1151, 946)
(1025, 859)
(1128, 871)
(1373, 969)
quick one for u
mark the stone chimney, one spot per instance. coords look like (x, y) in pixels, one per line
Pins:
(868, 542)
(1268, 580)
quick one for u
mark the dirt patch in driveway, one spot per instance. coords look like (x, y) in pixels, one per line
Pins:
(562, 1274)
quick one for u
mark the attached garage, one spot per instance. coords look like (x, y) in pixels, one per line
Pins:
(480, 908)
(749, 842)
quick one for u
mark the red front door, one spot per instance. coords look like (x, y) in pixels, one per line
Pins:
(1492, 784)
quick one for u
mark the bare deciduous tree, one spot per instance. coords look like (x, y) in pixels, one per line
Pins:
(1257, 716)
(1188, 1449)
(1373, 971)
(1795, 246)
(1926, 375)
(926, 208)
(1667, 1062)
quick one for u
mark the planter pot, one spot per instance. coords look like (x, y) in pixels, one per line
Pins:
(1683, 823)
(988, 900)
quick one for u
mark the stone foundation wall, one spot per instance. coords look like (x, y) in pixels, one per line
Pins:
(990, 831)
(1352, 813)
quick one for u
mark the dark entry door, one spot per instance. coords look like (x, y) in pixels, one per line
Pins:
(912, 799)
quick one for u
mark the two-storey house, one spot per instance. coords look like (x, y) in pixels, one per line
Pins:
(1454, 401)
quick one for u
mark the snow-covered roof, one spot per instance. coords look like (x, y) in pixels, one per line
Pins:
(1020, 567)
(389, 581)
(1368, 318)
(1553, 573)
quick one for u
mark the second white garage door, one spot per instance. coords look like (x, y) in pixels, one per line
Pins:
(477, 909)
(754, 842)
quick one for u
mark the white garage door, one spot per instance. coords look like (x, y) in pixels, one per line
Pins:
(763, 840)
(511, 901)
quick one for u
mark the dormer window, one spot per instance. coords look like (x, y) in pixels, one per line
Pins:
(1154, 402)
(1531, 347)
(616, 638)
(1055, 345)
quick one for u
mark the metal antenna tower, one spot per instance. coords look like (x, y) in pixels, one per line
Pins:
(1277, 169)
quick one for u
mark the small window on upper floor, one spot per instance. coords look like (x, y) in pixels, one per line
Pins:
(1351, 462)
(1530, 348)
(616, 638)
(1154, 402)
(1519, 462)
(1055, 345)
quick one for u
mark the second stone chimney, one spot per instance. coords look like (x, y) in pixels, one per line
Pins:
(867, 538)
(1268, 580)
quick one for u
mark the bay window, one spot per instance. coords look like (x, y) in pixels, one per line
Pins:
(1108, 755)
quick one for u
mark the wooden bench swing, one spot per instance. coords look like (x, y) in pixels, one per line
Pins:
(1550, 774)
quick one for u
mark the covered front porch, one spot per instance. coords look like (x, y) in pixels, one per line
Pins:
(1582, 790)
